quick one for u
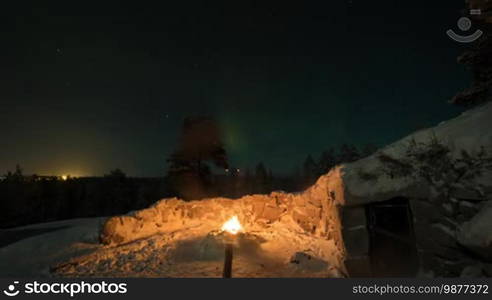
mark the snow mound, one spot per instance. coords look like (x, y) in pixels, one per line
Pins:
(476, 234)
(470, 132)
(287, 224)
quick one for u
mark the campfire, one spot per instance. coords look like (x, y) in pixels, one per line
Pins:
(232, 227)
(276, 235)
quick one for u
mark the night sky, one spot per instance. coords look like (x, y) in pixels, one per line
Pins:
(85, 89)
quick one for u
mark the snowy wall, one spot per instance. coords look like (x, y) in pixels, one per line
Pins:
(307, 221)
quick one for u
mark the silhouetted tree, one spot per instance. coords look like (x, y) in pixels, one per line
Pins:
(327, 161)
(247, 174)
(248, 181)
(478, 59)
(368, 149)
(200, 143)
(348, 153)
(296, 172)
(261, 172)
(16, 176)
(309, 170)
(116, 174)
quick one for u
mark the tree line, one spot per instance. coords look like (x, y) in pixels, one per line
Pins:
(197, 168)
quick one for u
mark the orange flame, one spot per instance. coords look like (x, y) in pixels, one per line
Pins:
(232, 226)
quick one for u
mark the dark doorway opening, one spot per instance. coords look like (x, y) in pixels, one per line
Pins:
(393, 251)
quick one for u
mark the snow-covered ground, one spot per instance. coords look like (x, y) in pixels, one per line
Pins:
(34, 255)
(74, 251)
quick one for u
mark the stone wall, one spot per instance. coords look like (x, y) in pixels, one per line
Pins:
(438, 225)
(356, 240)
(453, 237)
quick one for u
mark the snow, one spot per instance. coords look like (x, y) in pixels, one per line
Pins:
(281, 249)
(188, 253)
(75, 252)
(476, 234)
(469, 131)
(34, 255)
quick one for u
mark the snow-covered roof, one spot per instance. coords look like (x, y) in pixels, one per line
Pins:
(470, 131)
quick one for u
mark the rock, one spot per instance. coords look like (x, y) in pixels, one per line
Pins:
(315, 201)
(197, 212)
(299, 201)
(487, 268)
(307, 262)
(271, 213)
(147, 215)
(258, 208)
(117, 229)
(466, 194)
(441, 266)
(474, 271)
(429, 245)
(435, 233)
(423, 210)
(303, 220)
(448, 209)
(313, 212)
(467, 209)
(423, 273)
(476, 235)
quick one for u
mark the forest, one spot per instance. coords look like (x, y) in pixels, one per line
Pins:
(191, 174)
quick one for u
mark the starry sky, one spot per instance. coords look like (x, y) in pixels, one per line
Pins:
(85, 89)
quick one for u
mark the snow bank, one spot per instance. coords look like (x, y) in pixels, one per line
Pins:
(470, 131)
(476, 234)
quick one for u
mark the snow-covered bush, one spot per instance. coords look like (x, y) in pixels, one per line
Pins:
(435, 164)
